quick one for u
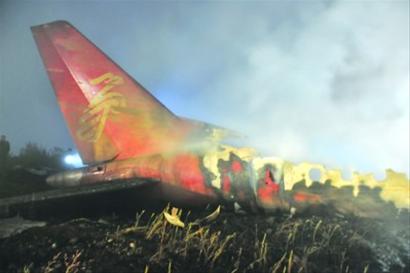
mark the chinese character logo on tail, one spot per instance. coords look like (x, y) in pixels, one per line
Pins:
(102, 106)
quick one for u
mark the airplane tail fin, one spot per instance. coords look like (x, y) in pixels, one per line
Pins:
(108, 113)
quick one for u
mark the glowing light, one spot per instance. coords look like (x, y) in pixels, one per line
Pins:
(73, 160)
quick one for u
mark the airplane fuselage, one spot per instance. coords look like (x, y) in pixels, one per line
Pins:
(123, 132)
(220, 176)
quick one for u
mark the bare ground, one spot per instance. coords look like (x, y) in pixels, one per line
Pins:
(320, 240)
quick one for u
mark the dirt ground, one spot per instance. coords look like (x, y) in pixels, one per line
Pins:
(320, 240)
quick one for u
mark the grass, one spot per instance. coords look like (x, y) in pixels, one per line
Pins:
(230, 243)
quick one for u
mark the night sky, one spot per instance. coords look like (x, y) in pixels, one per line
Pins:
(324, 81)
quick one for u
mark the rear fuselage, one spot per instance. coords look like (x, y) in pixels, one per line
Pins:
(216, 177)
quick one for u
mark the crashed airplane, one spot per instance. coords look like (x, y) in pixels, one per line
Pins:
(128, 139)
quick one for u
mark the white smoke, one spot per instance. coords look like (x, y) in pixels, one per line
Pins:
(329, 84)
(325, 81)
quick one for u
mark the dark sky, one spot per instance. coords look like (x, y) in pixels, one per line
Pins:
(325, 81)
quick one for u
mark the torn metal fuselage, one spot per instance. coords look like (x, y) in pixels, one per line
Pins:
(110, 115)
(225, 175)
(235, 176)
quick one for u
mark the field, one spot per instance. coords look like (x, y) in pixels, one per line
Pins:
(319, 240)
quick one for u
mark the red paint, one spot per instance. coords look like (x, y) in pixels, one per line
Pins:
(268, 188)
(141, 126)
(144, 137)
(147, 167)
(226, 182)
(187, 173)
(302, 197)
(269, 179)
(268, 191)
(237, 167)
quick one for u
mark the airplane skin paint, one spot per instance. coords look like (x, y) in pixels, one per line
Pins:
(122, 132)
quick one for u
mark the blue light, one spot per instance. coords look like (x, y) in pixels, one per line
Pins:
(73, 160)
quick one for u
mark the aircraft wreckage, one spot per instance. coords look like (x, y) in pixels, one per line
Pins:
(128, 139)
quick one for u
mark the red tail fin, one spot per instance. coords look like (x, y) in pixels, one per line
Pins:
(108, 113)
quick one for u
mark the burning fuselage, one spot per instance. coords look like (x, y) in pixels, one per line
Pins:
(123, 132)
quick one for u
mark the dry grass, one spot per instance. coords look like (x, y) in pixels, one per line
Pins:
(231, 243)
